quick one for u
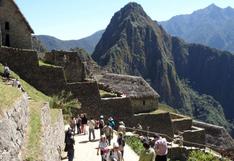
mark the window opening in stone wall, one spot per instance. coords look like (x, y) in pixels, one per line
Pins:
(144, 103)
(7, 40)
(7, 26)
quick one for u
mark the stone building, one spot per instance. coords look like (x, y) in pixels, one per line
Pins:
(143, 98)
(15, 30)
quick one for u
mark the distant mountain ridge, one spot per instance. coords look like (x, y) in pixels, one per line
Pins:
(212, 26)
(88, 43)
(133, 44)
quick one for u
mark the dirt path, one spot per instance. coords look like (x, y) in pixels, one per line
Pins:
(86, 151)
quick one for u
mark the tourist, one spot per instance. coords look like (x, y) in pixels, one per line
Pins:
(91, 125)
(73, 124)
(83, 123)
(148, 154)
(103, 148)
(160, 148)
(115, 153)
(121, 142)
(101, 124)
(108, 131)
(152, 141)
(78, 124)
(6, 72)
(122, 128)
(111, 122)
(69, 145)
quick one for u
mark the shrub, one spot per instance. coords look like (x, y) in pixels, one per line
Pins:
(198, 155)
(135, 143)
(66, 102)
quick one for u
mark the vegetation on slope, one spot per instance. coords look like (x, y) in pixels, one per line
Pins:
(33, 144)
(32, 92)
(66, 102)
(8, 95)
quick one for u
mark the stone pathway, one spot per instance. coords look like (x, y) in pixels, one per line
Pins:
(86, 151)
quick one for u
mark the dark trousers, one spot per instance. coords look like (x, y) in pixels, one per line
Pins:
(161, 158)
(70, 155)
(78, 128)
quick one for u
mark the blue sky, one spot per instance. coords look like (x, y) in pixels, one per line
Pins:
(74, 19)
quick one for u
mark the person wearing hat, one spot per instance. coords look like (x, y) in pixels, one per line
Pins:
(108, 131)
(148, 154)
(103, 148)
(115, 153)
(122, 128)
(111, 122)
(101, 125)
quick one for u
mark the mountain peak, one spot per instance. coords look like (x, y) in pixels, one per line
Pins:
(213, 7)
(132, 8)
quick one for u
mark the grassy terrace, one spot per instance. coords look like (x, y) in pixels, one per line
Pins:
(33, 145)
(42, 63)
(32, 92)
(105, 94)
(54, 113)
(8, 95)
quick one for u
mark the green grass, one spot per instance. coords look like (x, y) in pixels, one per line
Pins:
(135, 143)
(33, 147)
(202, 156)
(167, 108)
(54, 113)
(41, 63)
(8, 95)
(32, 92)
(105, 94)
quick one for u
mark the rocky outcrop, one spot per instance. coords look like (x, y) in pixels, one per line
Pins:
(53, 134)
(13, 124)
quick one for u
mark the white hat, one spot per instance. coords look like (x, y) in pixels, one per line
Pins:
(101, 117)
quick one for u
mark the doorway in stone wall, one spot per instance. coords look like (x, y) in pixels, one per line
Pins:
(7, 40)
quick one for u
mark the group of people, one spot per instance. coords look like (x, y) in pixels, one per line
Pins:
(79, 124)
(107, 152)
(154, 149)
(111, 148)
(14, 82)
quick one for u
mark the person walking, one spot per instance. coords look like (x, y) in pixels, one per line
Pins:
(148, 154)
(115, 153)
(122, 128)
(121, 142)
(160, 148)
(103, 148)
(108, 131)
(91, 125)
(84, 123)
(101, 124)
(69, 145)
(78, 124)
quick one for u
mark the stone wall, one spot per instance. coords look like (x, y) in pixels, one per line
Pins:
(24, 62)
(117, 107)
(195, 135)
(216, 136)
(19, 32)
(53, 135)
(13, 124)
(88, 95)
(144, 105)
(160, 123)
(73, 66)
(180, 123)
